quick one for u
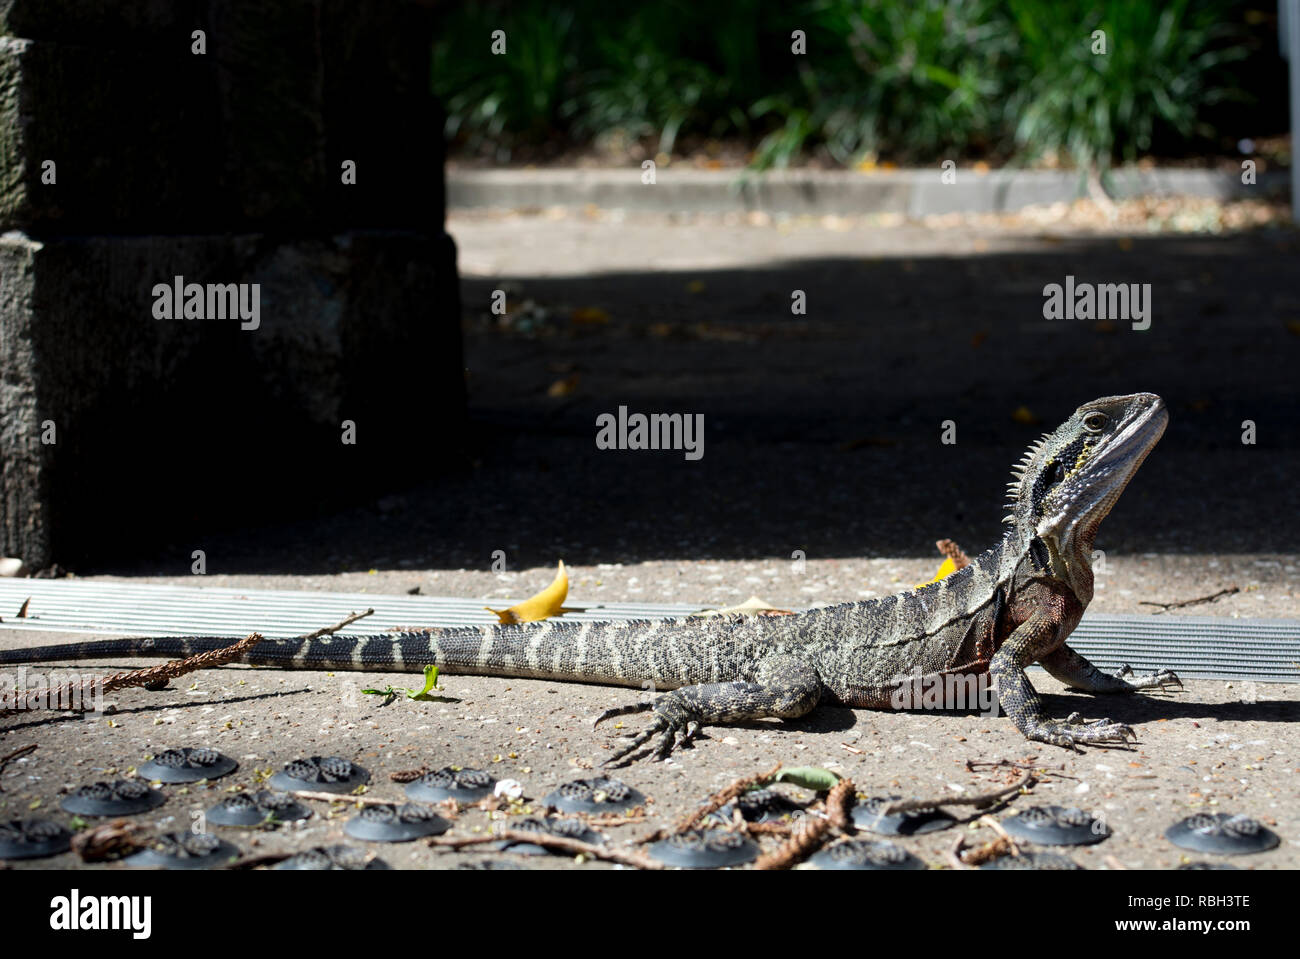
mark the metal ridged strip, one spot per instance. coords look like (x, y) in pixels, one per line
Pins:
(1196, 647)
(86, 606)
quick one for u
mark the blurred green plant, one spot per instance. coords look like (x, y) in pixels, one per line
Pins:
(500, 100)
(1163, 65)
(917, 80)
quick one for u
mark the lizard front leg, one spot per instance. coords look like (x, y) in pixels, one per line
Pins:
(1033, 640)
(1073, 669)
(783, 686)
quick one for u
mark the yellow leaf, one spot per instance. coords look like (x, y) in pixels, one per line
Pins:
(549, 602)
(750, 607)
(563, 387)
(695, 286)
(1023, 415)
(946, 568)
(589, 316)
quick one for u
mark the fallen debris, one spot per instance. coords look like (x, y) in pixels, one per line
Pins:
(77, 695)
(111, 840)
(716, 802)
(981, 799)
(20, 751)
(812, 832)
(1165, 607)
(574, 847)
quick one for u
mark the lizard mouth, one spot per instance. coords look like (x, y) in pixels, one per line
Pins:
(1089, 496)
(1109, 473)
(1137, 438)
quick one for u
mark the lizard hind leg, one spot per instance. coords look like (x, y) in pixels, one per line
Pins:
(784, 686)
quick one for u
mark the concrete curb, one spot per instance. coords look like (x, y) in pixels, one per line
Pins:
(915, 192)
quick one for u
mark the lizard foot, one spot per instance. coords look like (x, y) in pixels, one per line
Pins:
(1160, 679)
(672, 718)
(1074, 730)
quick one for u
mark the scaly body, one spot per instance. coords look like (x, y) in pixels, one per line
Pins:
(1014, 605)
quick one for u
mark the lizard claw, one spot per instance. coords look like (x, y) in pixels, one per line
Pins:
(671, 719)
(1075, 730)
(1160, 679)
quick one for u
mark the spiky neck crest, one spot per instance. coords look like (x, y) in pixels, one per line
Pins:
(1069, 479)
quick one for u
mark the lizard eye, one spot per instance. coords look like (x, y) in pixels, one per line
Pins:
(1094, 421)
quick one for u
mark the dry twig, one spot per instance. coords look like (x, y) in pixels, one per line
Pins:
(716, 802)
(561, 843)
(87, 690)
(343, 797)
(345, 621)
(408, 775)
(993, 849)
(111, 840)
(812, 832)
(20, 751)
(1165, 607)
(981, 799)
(972, 765)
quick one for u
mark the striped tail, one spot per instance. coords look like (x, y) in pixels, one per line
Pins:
(669, 653)
(162, 647)
(401, 652)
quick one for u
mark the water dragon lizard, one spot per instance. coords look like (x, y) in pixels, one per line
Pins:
(1014, 605)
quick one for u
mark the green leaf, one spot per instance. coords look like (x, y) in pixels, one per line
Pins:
(809, 777)
(430, 682)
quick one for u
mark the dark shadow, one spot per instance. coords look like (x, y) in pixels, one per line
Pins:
(1139, 709)
(822, 432)
(57, 716)
(823, 719)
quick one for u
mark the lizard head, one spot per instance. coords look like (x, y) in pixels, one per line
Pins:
(1069, 480)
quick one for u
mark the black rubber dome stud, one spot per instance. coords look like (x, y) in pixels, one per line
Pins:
(329, 774)
(705, 849)
(393, 823)
(186, 765)
(865, 854)
(758, 805)
(1222, 833)
(600, 795)
(185, 850)
(462, 785)
(33, 839)
(333, 857)
(1033, 860)
(124, 797)
(917, 822)
(1056, 826)
(567, 828)
(242, 809)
